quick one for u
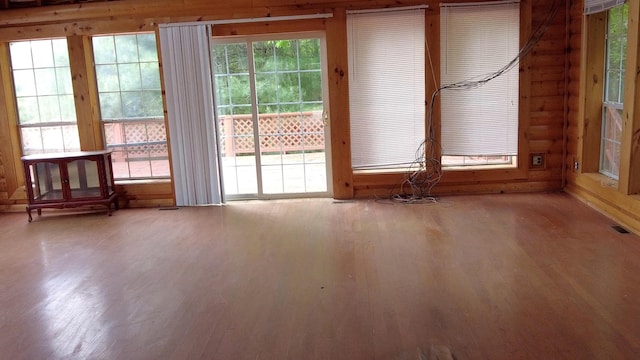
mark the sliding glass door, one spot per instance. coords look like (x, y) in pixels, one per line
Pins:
(271, 116)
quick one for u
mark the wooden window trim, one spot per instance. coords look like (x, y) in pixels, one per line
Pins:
(630, 147)
(592, 87)
(590, 111)
(10, 146)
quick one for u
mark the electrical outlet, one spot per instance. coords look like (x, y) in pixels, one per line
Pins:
(537, 160)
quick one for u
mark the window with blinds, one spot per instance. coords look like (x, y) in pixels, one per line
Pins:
(386, 87)
(479, 121)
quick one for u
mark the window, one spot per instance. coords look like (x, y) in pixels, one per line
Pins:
(616, 51)
(479, 123)
(386, 88)
(44, 96)
(131, 107)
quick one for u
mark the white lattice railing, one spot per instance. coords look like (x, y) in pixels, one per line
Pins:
(137, 139)
(285, 132)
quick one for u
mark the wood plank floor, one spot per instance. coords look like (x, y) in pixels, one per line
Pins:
(523, 276)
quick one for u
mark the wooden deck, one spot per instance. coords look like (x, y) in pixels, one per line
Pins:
(525, 276)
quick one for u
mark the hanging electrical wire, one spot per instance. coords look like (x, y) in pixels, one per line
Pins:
(426, 171)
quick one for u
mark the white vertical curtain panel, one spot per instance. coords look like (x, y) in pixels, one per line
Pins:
(595, 6)
(477, 40)
(186, 59)
(386, 87)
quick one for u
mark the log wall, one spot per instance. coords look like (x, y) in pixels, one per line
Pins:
(544, 83)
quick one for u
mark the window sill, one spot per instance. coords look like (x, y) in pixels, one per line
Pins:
(449, 168)
(479, 167)
(384, 171)
(142, 182)
(603, 180)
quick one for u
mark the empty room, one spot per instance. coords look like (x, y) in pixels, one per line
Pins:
(319, 179)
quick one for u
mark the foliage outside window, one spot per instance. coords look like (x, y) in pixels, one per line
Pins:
(288, 77)
(44, 96)
(616, 51)
(131, 107)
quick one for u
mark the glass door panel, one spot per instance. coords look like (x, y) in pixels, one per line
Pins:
(279, 102)
(235, 119)
(289, 95)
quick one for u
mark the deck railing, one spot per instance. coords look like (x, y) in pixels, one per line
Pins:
(284, 132)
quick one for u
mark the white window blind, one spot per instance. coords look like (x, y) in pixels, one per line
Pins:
(386, 87)
(478, 40)
(594, 6)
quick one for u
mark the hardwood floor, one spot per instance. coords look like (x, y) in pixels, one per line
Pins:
(523, 276)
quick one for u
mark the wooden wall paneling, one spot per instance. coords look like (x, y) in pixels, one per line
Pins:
(548, 118)
(84, 11)
(547, 88)
(546, 104)
(443, 189)
(542, 62)
(545, 131)
(432, 73)
(270, 27)
(271, 3)
(157, 193)
(605, 197)
(240, 4)
(347, 4)
(459, 176)
(551, 176)
(630, 147)
(551, 44)
(591, 86)
(546, 146)
(526, 65)
(5, 146)
(498, 188)
(9, 135)
(159, 11)
(550, 73)
(85, 92)
(188, 10)
(337, 61)
(574, 87)
(4, 194)
(86, 27)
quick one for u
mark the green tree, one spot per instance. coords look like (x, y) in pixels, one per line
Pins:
(287, 74)
(617, 27)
